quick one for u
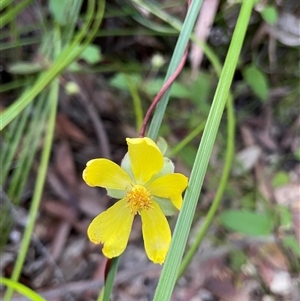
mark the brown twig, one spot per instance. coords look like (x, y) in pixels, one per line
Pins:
(163, 90)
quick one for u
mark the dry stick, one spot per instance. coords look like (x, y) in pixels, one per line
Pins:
(160, 94)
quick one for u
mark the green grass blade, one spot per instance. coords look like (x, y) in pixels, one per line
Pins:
(21, 289)
(137, 103)
(13, 12)
(11, 139)
(68, 55)
(194, 133)
(28, 148)
(177, 55)
(41, 177)
(109, 282)
(181, 232)
(221, 188)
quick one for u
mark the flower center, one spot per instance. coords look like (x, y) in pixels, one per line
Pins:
(138, 198)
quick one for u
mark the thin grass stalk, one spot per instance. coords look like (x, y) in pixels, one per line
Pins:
(171, 267)
(220, 191)
(13, 12)
(137, 103)
(176, 57)
(29, 148)
(22, 289)
(10, 143)
(68, 55)
(184, 142)
(41, 177)
(109, 281)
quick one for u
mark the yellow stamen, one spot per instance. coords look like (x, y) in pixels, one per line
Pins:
(139, 198)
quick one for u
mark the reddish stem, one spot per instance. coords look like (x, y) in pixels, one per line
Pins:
(163, 90)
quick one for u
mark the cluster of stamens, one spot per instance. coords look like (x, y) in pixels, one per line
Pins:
(139, 198)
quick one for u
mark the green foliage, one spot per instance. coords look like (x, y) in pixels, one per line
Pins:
(257, 81)
(247, 222)
(291, 243)
(270, 14)
(59, 10)
(285, 216)
(91, 54)
(22, 289)
(280, 178)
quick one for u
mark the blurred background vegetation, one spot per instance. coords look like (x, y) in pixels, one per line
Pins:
(87, 82)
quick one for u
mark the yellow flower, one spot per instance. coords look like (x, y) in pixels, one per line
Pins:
(146, 185)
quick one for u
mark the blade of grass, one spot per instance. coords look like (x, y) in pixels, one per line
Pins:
(28, 148)
(11, 139)
(10, 14)
(22, 289)
(221, 188)
(176, 57)
(196, 131)
(182, 228)
(67, 56)
(137, 103)
(109, 281)
(41, 176)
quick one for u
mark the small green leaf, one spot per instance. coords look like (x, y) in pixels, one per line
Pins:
(119, 81)
(59, 11)
(91, 54)
(270, 15)
(247, 222)
(25, 68)
(257, 81)
(280, 178)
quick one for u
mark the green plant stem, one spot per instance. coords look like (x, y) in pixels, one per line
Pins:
(221, 188)
(196, 131)
(183, 226)
(109, 281)
(13, 12)
(41, 176)
(137, 103)
(176, 58)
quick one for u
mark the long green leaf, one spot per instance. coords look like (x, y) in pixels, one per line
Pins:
(21, 289)
(177, 55)
(181, 232)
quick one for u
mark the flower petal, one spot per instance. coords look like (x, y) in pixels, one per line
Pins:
(156, 234)
(146, 158)
(112, 228)
(107, 174)
(170, 186)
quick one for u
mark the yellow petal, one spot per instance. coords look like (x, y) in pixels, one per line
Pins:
(112, 228)
(107, 174)
(156, 234)
(145, 157)
(170, 186)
